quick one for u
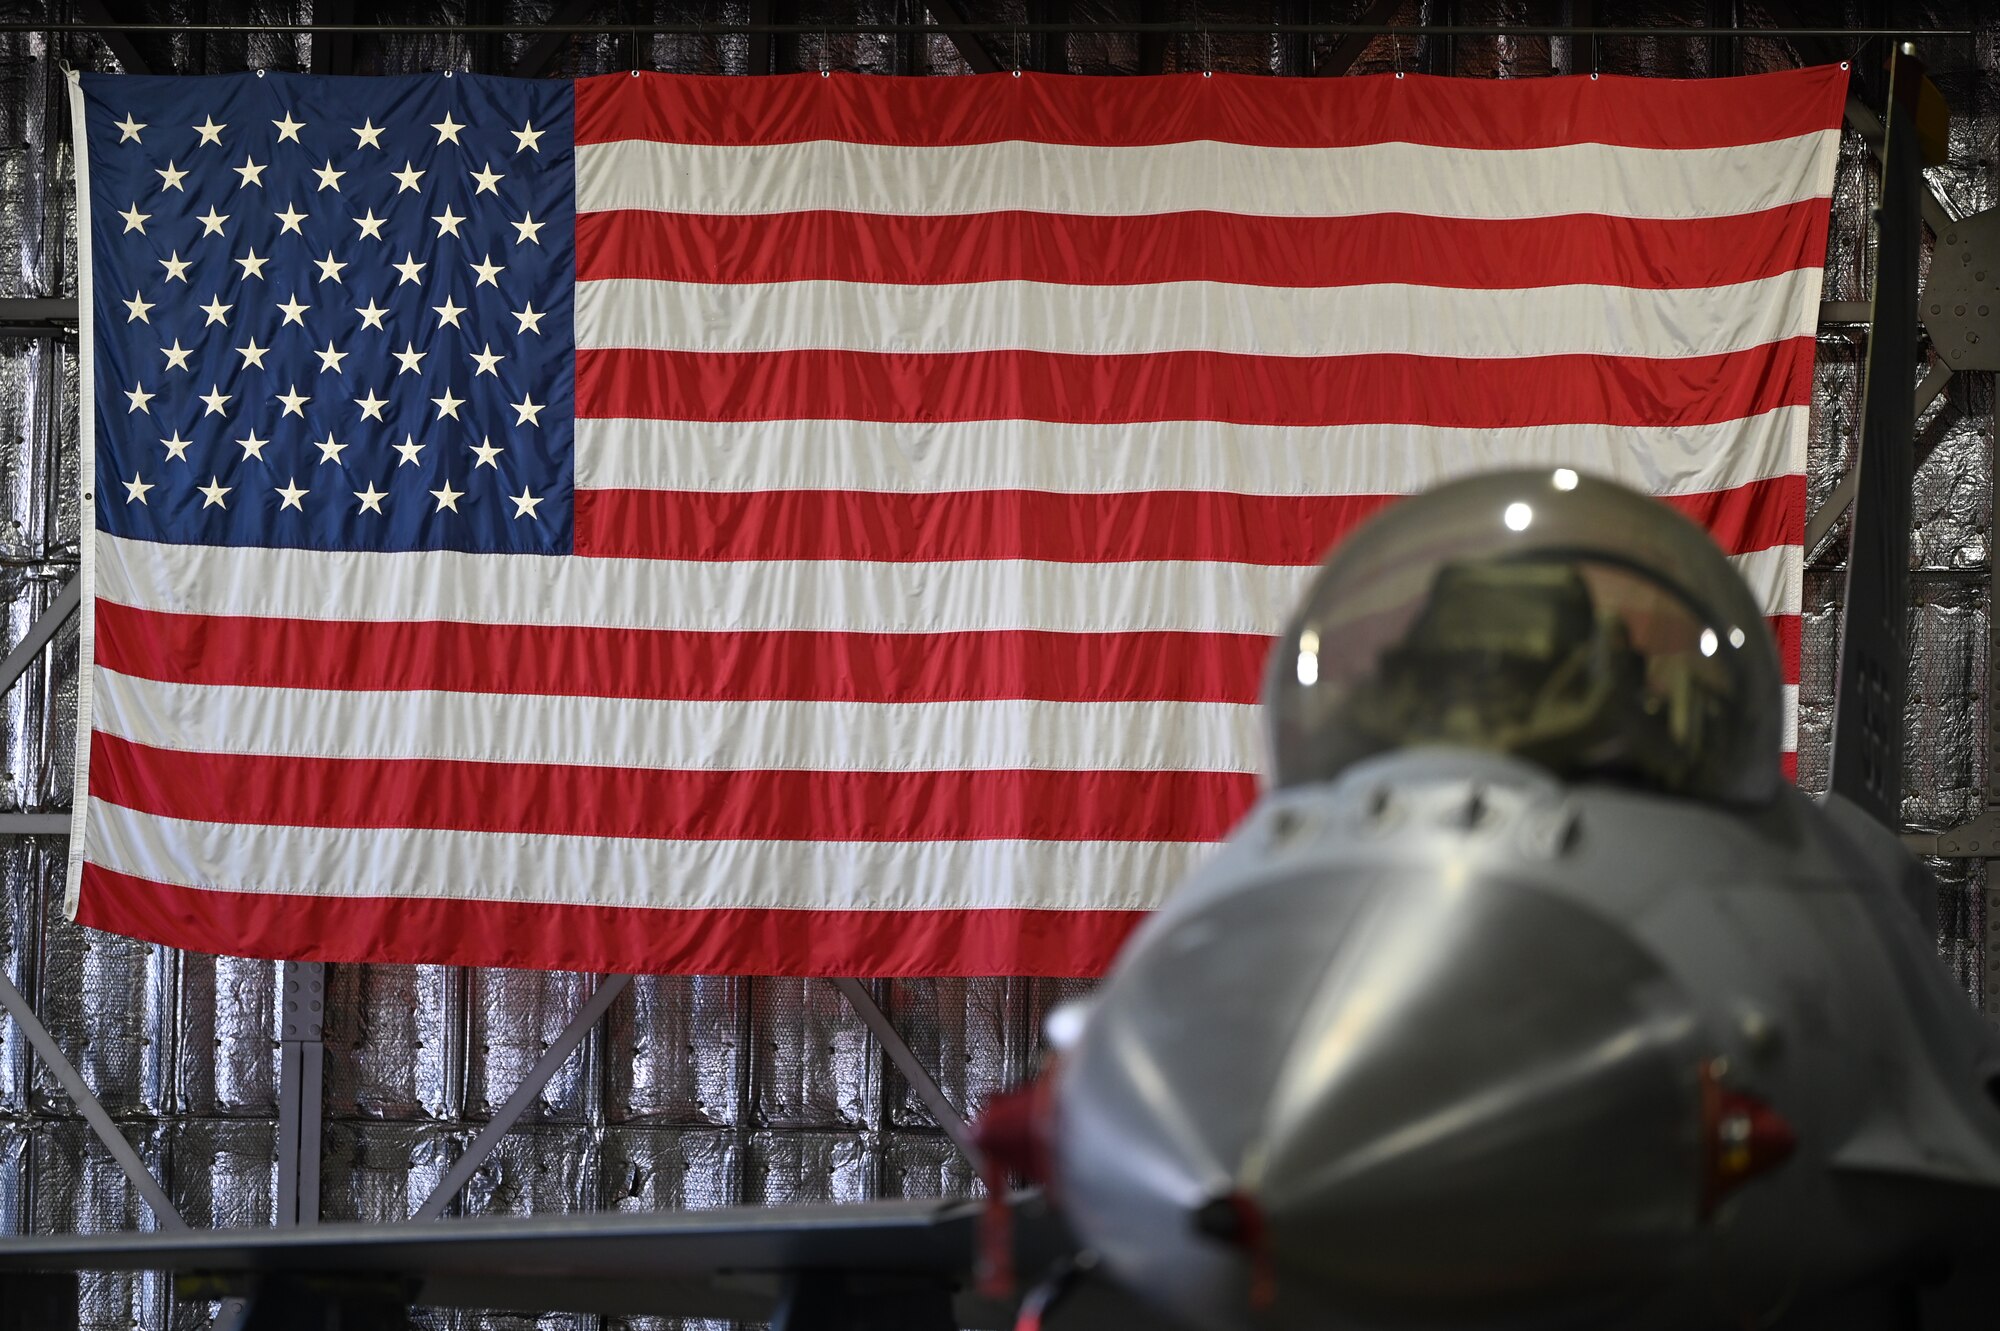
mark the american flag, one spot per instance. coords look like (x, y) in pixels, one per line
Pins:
(834, 525)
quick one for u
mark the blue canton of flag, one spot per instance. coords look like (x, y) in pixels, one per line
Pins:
(334, 313)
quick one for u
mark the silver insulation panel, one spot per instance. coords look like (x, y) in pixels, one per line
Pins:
(711, 1091)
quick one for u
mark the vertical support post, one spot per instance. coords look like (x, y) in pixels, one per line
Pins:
(301, 1072)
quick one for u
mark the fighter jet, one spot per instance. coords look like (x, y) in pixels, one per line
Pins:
(1530, 995)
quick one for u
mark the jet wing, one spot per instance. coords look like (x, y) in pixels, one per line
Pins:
(893, 1264)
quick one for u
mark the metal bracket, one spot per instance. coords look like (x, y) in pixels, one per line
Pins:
(557, 1054)
(41, 633)
(90, 1107)
(905, 1058)
(301, 1069)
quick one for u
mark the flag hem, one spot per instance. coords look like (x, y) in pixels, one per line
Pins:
(86, 572)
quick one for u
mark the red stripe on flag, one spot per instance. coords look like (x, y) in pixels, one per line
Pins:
(1505, 253)
(607, 939)
(736, 805)
(1287, 113)
(921, 526)
(721, 666)
(565, 661)
(1193, 385)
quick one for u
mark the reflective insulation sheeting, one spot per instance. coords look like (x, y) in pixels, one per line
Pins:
(697, 1092)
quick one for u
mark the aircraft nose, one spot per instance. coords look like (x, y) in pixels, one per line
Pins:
(1388, 1099)
(1504, 1113)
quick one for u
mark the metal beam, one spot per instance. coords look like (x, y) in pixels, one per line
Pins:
(952, 14)
(541, 52)
(44, 628)
(37, 317)
(1841, 497)
(34, 824)
(90, 1107)
(111, 33)
(760, 42)
(558, 1053)
(1844, 311)
(1868, 125)
(333, 46)
(301, 1070)
(1152, 45)
(921, 1081)
(1350, 47)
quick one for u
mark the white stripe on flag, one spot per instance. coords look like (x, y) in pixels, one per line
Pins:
(1202, 176)
(618, 871)
(1223, 317)
(752, 595)
(762, 734)
(1165, 455)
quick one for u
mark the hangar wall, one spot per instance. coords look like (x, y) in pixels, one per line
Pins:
(703, 1091)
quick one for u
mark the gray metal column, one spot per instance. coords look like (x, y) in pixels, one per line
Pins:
(301, 1091)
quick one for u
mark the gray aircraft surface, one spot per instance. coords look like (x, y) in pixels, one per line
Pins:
(1531, 995)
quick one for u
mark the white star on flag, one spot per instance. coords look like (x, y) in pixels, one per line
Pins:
(525, 504)
(371, 498)
(329, 179)
(370, 136)
(407, 178)
(252, 354)
(213, 493)
(252, 173)
(530, 319)
(215, 400)
(487, 451)
(211, 223)
(170, 178)
(217, 312)
(136, 308)
(177, 355)
(448, 312)
(330, 359)
(177, 447)
(527, 411)
(487, 361)
(527, 229)
(447, 129)
(447, 497)
(290, 218)
(252, 265)
(252, 446)
(210, 132)
(139, 397)
(410, 449)
(489, 180)
(294, 401)
(289, 495)
(135, 489)
(371, 314)
(448, 405)
(527, 138)
(135, 220)
(329, 449)
(129, 129)
(289, 128)
(371, 406)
